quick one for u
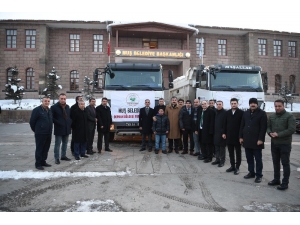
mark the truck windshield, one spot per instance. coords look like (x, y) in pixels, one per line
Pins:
(236, 81)
(134, 80)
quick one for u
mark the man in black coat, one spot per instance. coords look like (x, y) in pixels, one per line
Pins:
(232, 124)
(145, 125)
(219, 141)
(252, 136)
(72, 109)
(79, 130)
(186, 115)
(104, 122)
(161, 104)
(41, 124)
(62, 127)
(205, 130)
(91, 124)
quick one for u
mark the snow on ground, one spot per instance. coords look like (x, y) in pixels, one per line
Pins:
(29, 104)
(95, 206)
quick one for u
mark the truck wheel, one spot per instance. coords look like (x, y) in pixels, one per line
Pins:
(111, 136)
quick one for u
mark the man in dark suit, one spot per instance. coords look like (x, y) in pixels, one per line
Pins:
(62, 127)
(232, 122)
(186, 115)
(145, 125)
(104, 122)
(72, 109)
(91, 124)
(252, 136)
(205, 130)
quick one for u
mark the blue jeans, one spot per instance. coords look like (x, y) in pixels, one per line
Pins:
(162, 138)
(281, 152)
(79, 148)
(58, 140)
(196, 142)
(250, 155)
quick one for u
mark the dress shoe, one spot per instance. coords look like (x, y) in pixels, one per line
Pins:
(94, 151)
(57, 161)
(39, 168)
(215, 162)
(230, 169)
(156, 151)
(108, 150)
(196, 154)
(99, 151)
(90, 153)
(274, 182)
(142, 149)
(65, 158)
(249, 175)
(84, 156)
(170, 151)
(257, 180)
(283, 186)
(46, 165)
(237, 171)
(150, 150)
(191, 152)
(184, 152)
(200, 157)
(207, 160)
(221, 165)
(77, 158)
(164, 152)
(176, 151)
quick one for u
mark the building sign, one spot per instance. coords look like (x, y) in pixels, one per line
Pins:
(125, 105)
(152, 53)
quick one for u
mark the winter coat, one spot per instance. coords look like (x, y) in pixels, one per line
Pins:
(207, 133)
(232, 125)
(173, 116)
(104, 118)
(161, 125)
(284, 125)
(157, 107)
(41, 121)
(72, 109)
(62, 126)
(219, 130)
(194, 123)
(79, 126)
(91, 117)
(186, 119)
(145, 121)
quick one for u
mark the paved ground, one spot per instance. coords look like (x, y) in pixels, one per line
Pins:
(149, 182)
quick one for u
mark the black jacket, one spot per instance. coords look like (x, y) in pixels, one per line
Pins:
(62, 126)
(232, 126)
(91, 117)
(41, 121)
(104, 118)
(253, 128)
(72, 109)
(79, 125)
(206, 134)
(145, 121)
(161, 125)
(186, 119)
(219, 129)
(157, 107)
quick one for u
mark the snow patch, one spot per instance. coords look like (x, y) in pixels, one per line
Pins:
(95, 206)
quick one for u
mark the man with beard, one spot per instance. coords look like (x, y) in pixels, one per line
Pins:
(252, 136)
(232, 122)
(62, 127)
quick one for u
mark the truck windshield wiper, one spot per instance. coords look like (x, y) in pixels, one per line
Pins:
(142, 85)
(251, 88)
(228, 89)
(116, 86)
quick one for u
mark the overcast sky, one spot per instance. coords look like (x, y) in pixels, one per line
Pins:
(255, 14)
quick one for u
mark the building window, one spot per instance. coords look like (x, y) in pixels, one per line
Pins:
(222, 47)
(30, 38)
(277, 83)
(8, 74)
(198, 41)
(98, 43)
(292, 80)
(74, 42)
(262, 46)
(11, 38)
(30, 78)
(74, 80)
(277, 48)
(292, 49)
(150, 43)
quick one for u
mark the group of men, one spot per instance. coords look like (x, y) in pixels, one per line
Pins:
(79, 120)
(208, 130)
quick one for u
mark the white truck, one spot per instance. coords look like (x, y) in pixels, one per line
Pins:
(221, 82)
(127, 86)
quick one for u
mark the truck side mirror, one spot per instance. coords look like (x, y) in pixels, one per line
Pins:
(96, 75)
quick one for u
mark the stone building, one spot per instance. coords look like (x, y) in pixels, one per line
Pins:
(77, 48)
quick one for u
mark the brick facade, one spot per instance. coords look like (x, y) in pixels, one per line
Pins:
(53, 49)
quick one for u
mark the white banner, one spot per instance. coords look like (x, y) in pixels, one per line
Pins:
(125, 105)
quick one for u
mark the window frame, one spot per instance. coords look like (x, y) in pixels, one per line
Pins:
(30, 74)
(292, 49)
(75, 41)
(97, 42)
(12, 37)
(222, 47)
(277, 47)
(198, 46)
(262, 47)
(278, 83)
(74, 75)
(31, 37)
(149, 41)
